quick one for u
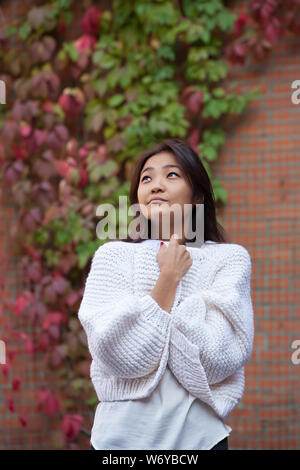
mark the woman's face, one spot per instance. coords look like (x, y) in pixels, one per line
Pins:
(168, 183)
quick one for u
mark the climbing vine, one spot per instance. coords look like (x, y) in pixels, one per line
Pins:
(79, 112)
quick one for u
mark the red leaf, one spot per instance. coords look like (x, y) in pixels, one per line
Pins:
(25, 130)
(61, 27)
(36, 312)
(61, 132)
(32, 219)
(22, 302)
(71, 425)
(53, 332)
(34, 272)
(84, 368)
(54, 318)
(240, 23)
(40, 136)
(273, 31)
(195, 101)
(19, 152)
(72, 146)
(43, 342)
(72, 298)
(240, 49)
(50, 294)
(32, 251)
(83, 177)
(5, 369)
(51, 404)
(25, 337)
(16, 382)
(60, 285)
(13, 172)
(268, 9)
(57, 355)
(63, 169)
(91, 20)
(9, 131)
(72, 102)
(11, 405)
(236, 52)
(23, 420)
(83, 152)
(194, 139)
(42, 396)
(85, 43)
(11, 355)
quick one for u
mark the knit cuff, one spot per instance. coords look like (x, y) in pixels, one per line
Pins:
(180, 341)
(152, 312)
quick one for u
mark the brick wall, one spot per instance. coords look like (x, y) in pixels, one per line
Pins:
(259, 168)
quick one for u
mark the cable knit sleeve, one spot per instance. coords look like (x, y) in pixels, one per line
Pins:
(214, 330)
(126, 333)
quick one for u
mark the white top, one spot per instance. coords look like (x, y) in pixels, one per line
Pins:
(206, 339)
(170, 419)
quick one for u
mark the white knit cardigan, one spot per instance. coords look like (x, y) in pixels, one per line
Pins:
(206, 339)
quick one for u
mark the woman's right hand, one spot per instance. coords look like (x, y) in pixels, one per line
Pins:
(174, 260)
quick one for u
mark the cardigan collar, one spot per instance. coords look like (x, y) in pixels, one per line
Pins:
(195, 252)
(146, 268)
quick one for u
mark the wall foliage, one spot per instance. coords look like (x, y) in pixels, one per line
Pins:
(78, 114)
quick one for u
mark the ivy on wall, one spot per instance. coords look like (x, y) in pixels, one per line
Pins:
(78, 114)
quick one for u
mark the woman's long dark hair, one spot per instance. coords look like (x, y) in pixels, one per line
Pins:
(196, 174)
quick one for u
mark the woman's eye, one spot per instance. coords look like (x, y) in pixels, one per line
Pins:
(147, 176)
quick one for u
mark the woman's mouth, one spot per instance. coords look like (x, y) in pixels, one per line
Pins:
(157, 201)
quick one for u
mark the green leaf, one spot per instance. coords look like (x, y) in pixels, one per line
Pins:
(52, 257)
(205, 36)
(24, 30)
(82, 234)
(215, 108)
(41, 236)
(113, 77)
(115, 100)
(221, 193)
(218, 92)
(97, 57)
(107, 62)
(73, 53)
(94, 106)
(92, 401)
(85, 251)
(96, 122)
(100, 86)
(95, 174)
(109, 168)
(102, 171)
(10, 30)
(68, 16)
(78, 384)
(109, 132)
(166, 52)
(62, 238)
(225, 20)
(210, 153)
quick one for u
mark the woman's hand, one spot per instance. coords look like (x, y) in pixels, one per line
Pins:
(174, 260)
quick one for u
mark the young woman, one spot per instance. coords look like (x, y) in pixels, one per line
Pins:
(170, 327)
